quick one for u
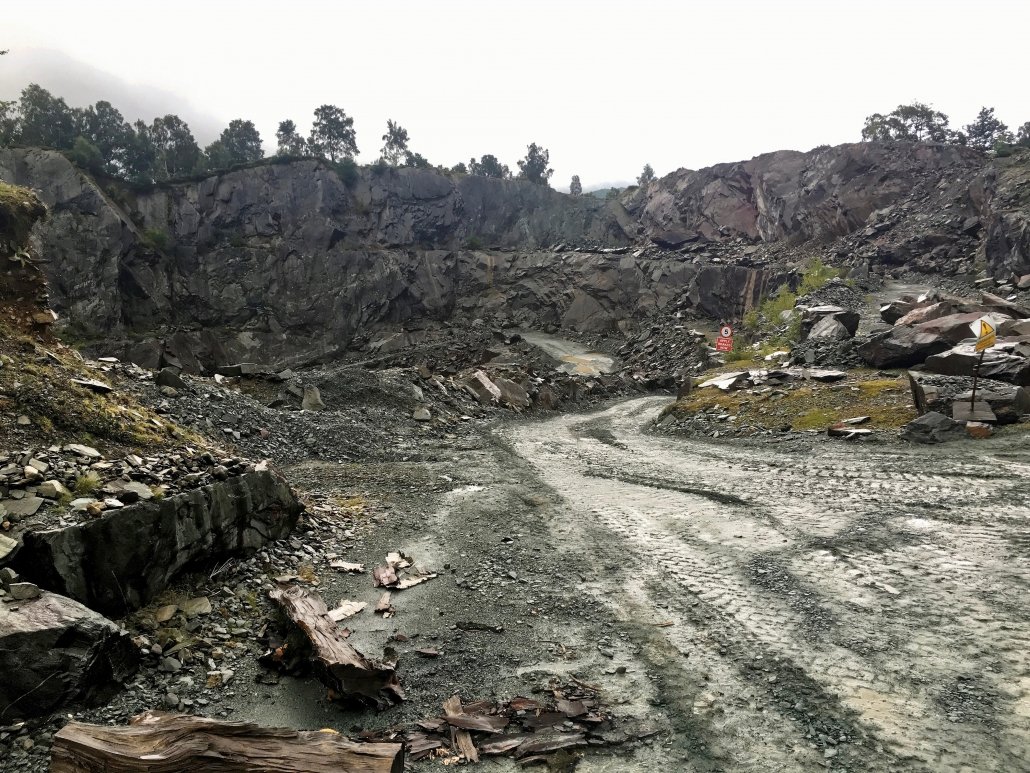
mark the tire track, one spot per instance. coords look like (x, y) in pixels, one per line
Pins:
(873, 584)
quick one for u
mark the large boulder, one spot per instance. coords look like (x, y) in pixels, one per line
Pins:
(958, 327)
(933, 427)
(894, 310)
(55, 652)
(902, 347)
(122, 560)
(828, 329)
(961, 361)
(926, 313)
(813, 315)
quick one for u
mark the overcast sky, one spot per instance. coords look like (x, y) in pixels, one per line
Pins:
(605, 86)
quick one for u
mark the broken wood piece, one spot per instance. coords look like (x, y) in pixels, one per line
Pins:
(420, 745)
(346, 566)
(384, 576)
(384, 607)
(156, 742)
(504, 744)
(397, 560)
(346, 609)
(410, 582)
(340, 666)
(552, 742)
(462, 740)
(478, 722)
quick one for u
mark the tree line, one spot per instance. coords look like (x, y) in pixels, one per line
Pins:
(921, 123)
(98, 138)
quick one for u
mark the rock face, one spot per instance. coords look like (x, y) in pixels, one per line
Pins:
(788, 195)
(283, 263)
(120, 561)
(54, 651)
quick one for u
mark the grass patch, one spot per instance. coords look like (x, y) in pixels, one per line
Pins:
(87, 483)
(809, 405)
(767, 321)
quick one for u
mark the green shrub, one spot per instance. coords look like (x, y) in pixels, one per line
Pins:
(347, 170)
(87, 483)
(816, 275)
(155, 238)
(474, 243)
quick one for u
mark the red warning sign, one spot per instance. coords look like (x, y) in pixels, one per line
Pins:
(724, 343)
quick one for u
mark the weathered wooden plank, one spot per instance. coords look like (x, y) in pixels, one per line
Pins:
(340, 666)
(170, 743)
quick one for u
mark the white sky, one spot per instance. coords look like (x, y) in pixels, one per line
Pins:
(605, 86)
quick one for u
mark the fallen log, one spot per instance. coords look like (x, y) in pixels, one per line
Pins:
(156, 742)
(340, 666)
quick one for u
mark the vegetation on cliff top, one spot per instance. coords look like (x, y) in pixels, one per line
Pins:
(100, 140)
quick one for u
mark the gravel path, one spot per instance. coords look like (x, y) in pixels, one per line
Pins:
(861, 609)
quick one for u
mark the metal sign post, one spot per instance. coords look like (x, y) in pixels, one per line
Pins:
(984, 341)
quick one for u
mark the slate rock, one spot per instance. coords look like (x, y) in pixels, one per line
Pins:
(828, 329)
(961, 361)
(901, 347)
(55, 652)
(933, 427)
(312, 400)
(169, 377)
(23, 507)
(122, 560)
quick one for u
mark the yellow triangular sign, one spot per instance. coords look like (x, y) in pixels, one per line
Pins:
(987, 337)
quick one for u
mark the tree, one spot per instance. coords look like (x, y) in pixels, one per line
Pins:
(86, 155)
(332, 134)
(9, 123)
(177, 151)
(103, 126)
(646, 176)
(916, 122)
(460, 168)
(1023, 135)
(534, 167)
(416, 160)
(986, 130)
(575, 187)
(140, 153)
(290, 143)
(45, 119)
(239, 143)
(489, 166)
(395, 143)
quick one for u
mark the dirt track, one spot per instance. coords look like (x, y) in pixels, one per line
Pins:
(856, 607)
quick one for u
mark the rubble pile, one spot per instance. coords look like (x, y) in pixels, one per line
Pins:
(527, 729)
(936, 331)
